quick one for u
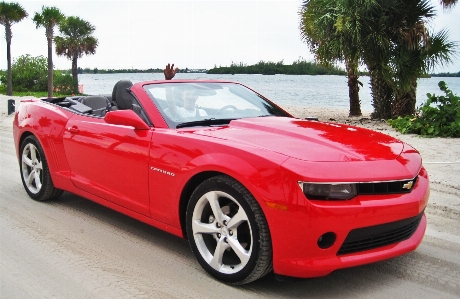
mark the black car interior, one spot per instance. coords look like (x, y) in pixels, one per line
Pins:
(98, 105)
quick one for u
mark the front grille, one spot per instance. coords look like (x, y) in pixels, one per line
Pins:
(394, 187)
(380, 235)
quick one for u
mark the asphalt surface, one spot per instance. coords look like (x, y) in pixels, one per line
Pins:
(74, 248)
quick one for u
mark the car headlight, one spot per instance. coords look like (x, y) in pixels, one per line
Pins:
(328, 191)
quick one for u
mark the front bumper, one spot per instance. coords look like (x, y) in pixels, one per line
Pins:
(295, 232)
(322, 266)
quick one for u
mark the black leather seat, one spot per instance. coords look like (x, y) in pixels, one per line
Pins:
(120, 95)
(125, 100)
(98, 104)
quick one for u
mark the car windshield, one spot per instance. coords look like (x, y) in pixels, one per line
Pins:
(208, 103)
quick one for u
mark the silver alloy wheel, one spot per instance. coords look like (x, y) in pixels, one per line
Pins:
(32, 168)
(217, 221)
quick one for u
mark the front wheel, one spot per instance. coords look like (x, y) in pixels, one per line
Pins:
(35, 173)
(228, 232)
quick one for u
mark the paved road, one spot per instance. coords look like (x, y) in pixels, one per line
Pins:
(73, 248)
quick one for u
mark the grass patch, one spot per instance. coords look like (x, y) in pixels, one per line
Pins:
(36, 94)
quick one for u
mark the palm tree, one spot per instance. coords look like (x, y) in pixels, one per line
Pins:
(76, 40)
(413, 62)
(10, 13)
(48, 18)
(398, 51)
(388, 35)
(377, 41)
(331, 29)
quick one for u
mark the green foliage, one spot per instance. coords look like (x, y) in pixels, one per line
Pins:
(439, 116)
(76, 38)
(10, 13)
(36, 94)
(299, 67)
(30, 74)
(48, 18)
(63, 83)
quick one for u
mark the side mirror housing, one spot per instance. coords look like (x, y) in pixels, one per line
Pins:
(125, 118)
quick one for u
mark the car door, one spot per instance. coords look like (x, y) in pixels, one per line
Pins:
(110, 161)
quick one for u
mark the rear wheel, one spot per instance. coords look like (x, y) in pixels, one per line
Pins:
(35, 173)
(228, 232)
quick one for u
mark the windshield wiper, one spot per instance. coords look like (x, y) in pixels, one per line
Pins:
(205, 122)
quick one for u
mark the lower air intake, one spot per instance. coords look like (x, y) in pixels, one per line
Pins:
(380, 235)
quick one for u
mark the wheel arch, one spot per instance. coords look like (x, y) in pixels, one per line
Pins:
(187, 191)
(266, 188)
(261, 258)
(193, 183)
(26, 134)
(23, 136)
(47, 189)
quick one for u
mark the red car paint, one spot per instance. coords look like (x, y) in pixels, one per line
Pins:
(145, 171)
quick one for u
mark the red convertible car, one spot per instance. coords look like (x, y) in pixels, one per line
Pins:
(252, 188)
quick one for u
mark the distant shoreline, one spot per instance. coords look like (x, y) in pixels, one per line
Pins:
(134, 71)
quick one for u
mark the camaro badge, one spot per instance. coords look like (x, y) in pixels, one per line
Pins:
(162, 171)
(408, 185)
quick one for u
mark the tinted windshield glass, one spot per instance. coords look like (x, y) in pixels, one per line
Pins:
(190, 103)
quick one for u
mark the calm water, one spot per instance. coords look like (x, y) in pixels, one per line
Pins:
(285, 90)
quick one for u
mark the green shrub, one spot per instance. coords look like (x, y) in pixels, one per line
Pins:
(439, 116)
(28, 73)
(62, 83)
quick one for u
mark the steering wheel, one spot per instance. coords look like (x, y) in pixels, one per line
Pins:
(225, 108)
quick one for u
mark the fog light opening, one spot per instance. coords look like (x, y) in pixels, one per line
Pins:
(326, 240)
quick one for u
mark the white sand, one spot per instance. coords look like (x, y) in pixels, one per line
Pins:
(4, 104)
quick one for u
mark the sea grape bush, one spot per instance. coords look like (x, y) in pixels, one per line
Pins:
(63, 83)
(439, 116)
(30, 74)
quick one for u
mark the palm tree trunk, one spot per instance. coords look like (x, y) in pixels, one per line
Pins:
(404, 103)
(50, 67)
(75, 74)
(382, 95)
(9, 80)
(353, 88)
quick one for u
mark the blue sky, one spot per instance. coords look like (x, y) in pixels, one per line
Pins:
(193, 34)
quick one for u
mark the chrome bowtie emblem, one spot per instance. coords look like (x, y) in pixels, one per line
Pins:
(408, 185)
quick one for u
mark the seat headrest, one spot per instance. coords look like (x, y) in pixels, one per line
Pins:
(95, 102)
(120, 95)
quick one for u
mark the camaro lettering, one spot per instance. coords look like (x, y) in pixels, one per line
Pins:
(162, 171)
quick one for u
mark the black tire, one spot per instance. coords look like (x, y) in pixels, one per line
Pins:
(234, 246)
(35, 174)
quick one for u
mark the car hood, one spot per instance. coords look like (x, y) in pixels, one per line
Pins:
(309, 140)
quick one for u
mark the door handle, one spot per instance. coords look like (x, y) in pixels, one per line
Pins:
(73, 129)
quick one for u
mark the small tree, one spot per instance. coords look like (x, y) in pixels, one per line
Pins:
(48, 18)
(75, 40)
(10, 13)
